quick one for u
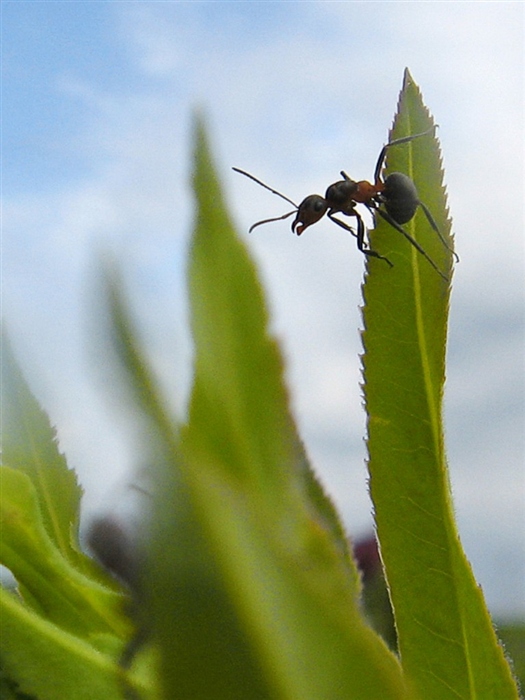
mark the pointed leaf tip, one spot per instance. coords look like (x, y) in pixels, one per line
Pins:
(445, 635)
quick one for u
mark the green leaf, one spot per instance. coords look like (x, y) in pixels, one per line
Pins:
(63, 622)
(53, 587)
(51, 664)
(136, 376)
(512, 635)
(446, 639)
(239, 406)
(187, 611)
(9, 690)
(29, 444)
(249, 619)
(239, 414)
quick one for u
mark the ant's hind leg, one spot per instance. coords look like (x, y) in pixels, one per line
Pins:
(431, 221)
(411, 240)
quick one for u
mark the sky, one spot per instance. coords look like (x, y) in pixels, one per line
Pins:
(97, 106)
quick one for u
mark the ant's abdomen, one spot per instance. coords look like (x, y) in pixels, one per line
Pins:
(400, 197)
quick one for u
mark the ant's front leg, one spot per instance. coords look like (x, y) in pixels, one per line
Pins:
(360, 235)
(431, 221)
(396, 142)
(344, 225)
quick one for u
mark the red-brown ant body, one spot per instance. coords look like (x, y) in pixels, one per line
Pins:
(397, 194)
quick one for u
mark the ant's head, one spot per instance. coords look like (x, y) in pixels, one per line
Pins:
(311, 209)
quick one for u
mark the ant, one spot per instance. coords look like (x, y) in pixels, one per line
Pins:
(115, 550)
(397, 193)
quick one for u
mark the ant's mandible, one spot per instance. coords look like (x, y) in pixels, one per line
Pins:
(397, 193)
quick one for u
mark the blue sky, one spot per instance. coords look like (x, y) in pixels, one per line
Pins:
(97, 105)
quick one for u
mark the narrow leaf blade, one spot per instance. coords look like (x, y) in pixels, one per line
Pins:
(47, 580)
(446, 638)
(29, 444)
(48, 663)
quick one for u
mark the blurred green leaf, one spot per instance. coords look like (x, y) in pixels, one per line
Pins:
(49, 663)
(446, 639)
(184, 603)
(249, 618)
(10, 690)
(239, 414)
(29, 444)
(58, 591)
(69, 613)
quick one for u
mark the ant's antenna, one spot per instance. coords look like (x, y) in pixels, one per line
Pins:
(279, 194)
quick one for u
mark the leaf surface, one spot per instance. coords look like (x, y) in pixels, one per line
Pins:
(47, 580)
(29, 444)
(446, 638)
(49, 663)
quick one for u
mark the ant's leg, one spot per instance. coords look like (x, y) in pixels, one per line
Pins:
(360, 235)
(342, 224)
(361, 243)
(431, 221)
(413, 241)
(395, 142)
